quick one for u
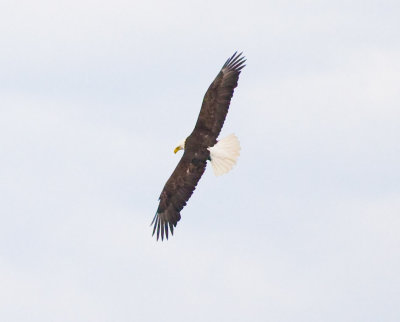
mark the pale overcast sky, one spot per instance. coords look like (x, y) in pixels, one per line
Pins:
(94, 96)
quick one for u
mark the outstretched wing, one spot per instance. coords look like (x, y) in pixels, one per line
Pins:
(217, 99)
(177, 192)
(191, 167)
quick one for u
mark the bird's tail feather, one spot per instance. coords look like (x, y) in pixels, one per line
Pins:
(224, 154)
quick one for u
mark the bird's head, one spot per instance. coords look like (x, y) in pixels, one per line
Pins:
(180, 146)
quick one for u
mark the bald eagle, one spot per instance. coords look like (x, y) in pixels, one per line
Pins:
(201, 145)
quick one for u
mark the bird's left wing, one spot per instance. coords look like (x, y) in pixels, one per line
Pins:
(217, 99)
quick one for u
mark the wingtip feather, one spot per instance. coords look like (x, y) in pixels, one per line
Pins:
(235, 62)
(162, 227)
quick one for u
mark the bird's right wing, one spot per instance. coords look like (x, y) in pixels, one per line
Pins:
(177, 191)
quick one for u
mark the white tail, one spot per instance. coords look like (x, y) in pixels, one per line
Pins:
(224, 154)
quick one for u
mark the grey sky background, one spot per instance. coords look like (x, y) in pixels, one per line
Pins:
(94, 95)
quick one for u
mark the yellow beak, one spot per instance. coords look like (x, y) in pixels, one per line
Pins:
(177, 149)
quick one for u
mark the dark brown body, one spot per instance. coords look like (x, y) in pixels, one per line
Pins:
(192, 165)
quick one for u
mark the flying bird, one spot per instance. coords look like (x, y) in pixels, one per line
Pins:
(201, 146)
